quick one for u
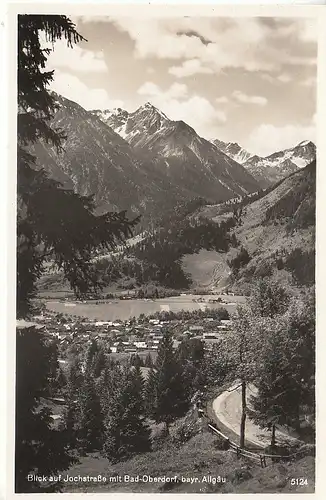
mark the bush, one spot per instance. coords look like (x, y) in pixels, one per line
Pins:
(240, 475)
(239, 260)
(221, 444)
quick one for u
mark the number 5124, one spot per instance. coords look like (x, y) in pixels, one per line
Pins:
(300, 481)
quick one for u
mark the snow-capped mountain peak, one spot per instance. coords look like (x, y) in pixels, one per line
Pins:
(270, 169)
(233, 150)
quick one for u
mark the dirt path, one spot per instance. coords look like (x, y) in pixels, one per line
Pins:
(227, 407)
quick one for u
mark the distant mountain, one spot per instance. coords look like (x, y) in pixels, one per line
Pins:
(152, 164)
(233, 150)
(185, 158)
(270, 169)
(96, 160)
(277, 230)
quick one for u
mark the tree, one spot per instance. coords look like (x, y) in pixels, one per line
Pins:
(286, 372)
(148, 360)
(43, 228)
(39, 448)
(135, 360)
(190, 355)
(45, 231)
(242, 357)
(89, 417)
(150, 393)
(268, 299)
(218, 367)
(272, 382)
(171, 398)
(126, 432)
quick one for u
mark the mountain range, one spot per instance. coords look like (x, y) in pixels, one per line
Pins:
(279, 223)
(151, 166)
(145, 163)
(233, 150)
(185, 158)
(270, 169)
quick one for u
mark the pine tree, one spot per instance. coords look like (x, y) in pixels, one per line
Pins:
(89, 417)
(172, 400)
(135, 360)
(44, 230)
(150, 393)
(60, 381)
(148, 361)
(39, 448)
(126, 432)
(286, 372)
(74, 381)
(190, 356)
(269, 405)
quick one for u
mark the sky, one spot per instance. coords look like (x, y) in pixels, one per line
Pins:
(250, 80)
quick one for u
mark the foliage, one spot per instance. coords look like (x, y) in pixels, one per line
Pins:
(171, 398)
(297, 206)
(286, 372)
(240, 260)
(126, 432)
(40, 449)
(197, 314)
(89, 417)
(268, 299)
(302, 266)
(43, 227)
(190, 357)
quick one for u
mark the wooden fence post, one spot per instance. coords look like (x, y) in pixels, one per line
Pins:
(238, 452)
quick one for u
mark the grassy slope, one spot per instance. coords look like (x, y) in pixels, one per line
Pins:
(197, 458)
(262, 238)
(204, 266)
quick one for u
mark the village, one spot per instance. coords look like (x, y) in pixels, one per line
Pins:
(142, 335)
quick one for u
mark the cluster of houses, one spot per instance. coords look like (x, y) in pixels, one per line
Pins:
(129, 336)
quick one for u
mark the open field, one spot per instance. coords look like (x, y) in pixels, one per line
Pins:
(207, 268)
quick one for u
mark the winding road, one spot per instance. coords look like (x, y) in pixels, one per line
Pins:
(227, 408)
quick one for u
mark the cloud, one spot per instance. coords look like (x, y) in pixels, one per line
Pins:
(72, 88)
(249, 99)
(178, 104)
(308, 31)
(268, 138)
(222, 100)
(189, 68)
(176, 91)
(284, 78)
(217, 43)
(73, 59)
(311, 81)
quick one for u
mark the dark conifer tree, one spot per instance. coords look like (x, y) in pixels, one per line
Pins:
(150, 394)
(44, 229)
(126, 432)
(148, 361)
(172, 400)
(39, 448)
(190, 356)
(89, 417)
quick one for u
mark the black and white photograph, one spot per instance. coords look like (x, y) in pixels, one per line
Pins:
(165, 238)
